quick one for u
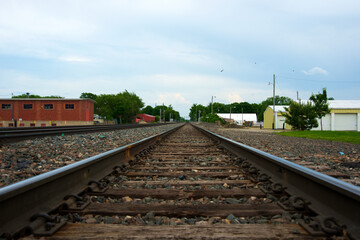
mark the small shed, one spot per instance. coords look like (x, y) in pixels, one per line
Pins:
(279, 119)
(145, 117)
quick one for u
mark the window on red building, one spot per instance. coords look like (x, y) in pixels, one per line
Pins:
(27, 106)
(48, 106)
(5, 106)
(69, 106)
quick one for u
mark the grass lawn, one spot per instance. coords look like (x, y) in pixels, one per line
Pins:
(351, 137)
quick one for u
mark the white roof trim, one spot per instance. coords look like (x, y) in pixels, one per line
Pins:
(333, 104)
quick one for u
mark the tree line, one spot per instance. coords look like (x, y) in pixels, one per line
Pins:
(123, 106)
(300, 115)
(34, 96)
(126, 106)
(242, 107)
(163, 113)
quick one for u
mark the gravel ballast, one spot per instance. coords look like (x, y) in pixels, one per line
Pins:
(338, 159)
(25, 159)
(22, 160)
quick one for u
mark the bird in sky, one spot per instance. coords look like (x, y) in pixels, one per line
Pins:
(222, 70)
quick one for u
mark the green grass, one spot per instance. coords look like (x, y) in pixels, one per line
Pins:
(351, 137)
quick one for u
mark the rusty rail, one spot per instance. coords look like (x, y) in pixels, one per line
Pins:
(329, 197)
(335, 202)
(20, 202)
(18, 134)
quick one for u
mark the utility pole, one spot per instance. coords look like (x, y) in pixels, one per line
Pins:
(164, 112)
(273, 125)
(160, 114)
(242, 116)
(199, 115)
(230, 112)
(212, 101)
(297, 96)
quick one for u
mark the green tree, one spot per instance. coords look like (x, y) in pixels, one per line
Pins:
(194, 111)
(104, 106)
(89, 95)
(170, 112)
(148, 110)
(112, 106)
(129, 105)
(300, 116)
(166, 112)
(212, 118)
(243, 107)
(159, 109)
(35, 96)
(279, 100)
(321, 105)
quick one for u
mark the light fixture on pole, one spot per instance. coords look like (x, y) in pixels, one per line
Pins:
(212, 102)
(273, 123)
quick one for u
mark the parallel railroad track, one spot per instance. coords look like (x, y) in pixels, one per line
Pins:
(181, 185)
(9, 135)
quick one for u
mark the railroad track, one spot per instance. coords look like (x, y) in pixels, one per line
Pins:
(10, 135)
(183, 184)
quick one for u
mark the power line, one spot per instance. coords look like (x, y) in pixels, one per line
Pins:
(315, 80)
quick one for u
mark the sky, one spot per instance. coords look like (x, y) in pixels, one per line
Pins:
(181, 52)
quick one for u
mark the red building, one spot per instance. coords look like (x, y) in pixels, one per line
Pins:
(145, 117)
(36, 112)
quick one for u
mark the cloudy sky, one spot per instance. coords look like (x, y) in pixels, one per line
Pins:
(173, 51)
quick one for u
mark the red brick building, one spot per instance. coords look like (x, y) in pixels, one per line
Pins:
(36, 112)
(145, 117)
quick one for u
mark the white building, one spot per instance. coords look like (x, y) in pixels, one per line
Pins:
(239, 118)
(344, 116)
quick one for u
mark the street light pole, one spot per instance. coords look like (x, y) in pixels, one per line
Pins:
(212, 101)
(230, 112)
(273, 126)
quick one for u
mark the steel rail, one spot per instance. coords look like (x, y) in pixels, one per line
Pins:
(45, 192)
(327, 196)
(18, 134)
(7, 130)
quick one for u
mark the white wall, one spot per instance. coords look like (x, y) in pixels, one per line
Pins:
(280, 120)
(326, 121)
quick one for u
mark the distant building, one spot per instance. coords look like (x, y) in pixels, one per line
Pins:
(145, 118)
(239, 118)
(344, 116)
(41, 112)
(279, 118)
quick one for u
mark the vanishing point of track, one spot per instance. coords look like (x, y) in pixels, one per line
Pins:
(185, 184)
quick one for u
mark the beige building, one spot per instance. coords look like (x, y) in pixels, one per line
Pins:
(344, 116)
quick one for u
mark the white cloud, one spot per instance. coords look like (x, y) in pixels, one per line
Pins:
(75, 59)
(234, 97)
(316, 70)
(172, 98)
